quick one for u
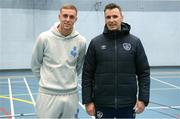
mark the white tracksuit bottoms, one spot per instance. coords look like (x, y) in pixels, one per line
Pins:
(57, 106)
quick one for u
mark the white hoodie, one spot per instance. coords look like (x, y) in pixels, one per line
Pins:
(57, 60)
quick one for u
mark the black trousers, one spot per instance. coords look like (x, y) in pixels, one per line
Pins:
(119, 113)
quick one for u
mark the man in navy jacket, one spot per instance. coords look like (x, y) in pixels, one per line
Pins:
(116, 73)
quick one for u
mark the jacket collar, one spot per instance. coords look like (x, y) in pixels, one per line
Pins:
(125, 29)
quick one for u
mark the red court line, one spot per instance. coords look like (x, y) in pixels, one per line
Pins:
(3, 110)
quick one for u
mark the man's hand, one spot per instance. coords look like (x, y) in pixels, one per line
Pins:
(139, 107)
(90, 109)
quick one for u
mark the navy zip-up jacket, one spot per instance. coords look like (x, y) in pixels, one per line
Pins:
(116, 70)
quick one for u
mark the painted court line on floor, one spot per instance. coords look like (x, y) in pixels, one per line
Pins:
(30, 93)
(174, 87)
(11, 98)
(161, 89)
(17, 99)
(169, 84)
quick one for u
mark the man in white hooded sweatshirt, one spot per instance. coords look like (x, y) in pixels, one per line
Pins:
(57, 59)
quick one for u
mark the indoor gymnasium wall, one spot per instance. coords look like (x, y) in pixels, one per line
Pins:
(156, 23)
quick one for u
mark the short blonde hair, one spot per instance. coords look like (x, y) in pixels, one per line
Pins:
(68, 6)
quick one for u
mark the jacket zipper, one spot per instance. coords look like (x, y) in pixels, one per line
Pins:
(116, 85)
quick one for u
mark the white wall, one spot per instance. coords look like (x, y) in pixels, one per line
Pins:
(159, 32)
(16, 38)
(0, 40)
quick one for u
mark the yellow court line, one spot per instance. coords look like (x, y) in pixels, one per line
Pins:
(17, 99)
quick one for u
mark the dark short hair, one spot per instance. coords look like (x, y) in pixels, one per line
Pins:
(69, 6)
(112, 6)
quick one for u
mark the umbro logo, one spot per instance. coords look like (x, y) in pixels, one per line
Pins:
(103, 47)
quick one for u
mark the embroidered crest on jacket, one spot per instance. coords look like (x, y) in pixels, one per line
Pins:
(127, 46)
(99, 114)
